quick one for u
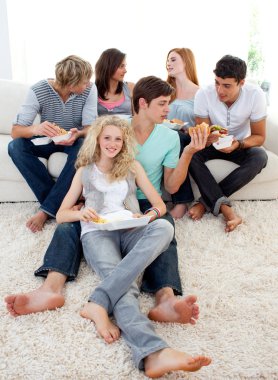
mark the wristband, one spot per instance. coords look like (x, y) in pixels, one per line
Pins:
(156, 211)
(241, 144)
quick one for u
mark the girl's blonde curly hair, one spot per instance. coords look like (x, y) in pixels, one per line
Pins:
(90, 150)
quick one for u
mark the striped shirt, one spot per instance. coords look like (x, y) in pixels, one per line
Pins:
(78, 111)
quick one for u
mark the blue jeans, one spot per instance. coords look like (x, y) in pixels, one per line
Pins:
(65, 251)
(185, 193)
(49, 193)
(251, 161)
(119, 257)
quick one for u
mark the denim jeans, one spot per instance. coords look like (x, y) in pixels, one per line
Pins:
(163, 271)
(251, 161)
(119, 257)
(49, 193)
(185, 193)
(65, 252)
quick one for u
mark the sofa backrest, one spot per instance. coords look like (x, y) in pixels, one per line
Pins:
(271, 142)
(12, 96)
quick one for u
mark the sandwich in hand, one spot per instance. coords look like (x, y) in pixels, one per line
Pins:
(218, 130)
(213, 129)
(199, 127)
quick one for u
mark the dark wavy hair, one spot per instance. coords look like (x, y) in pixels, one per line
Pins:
(150, 88)
(107, 64)
(231, 67)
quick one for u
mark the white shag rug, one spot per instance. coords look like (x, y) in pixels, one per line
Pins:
(234, 276)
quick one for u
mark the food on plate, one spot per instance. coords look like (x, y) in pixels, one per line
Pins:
(173, 121)
(61, 131)
(218, 130)
(100, 220)
(177, 121)
(202, 127)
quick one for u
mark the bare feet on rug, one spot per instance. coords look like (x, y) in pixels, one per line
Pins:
(169, 308)
(37, 221)
(197, 211)
(168, 359)
(179, 210)
(106, 329)
(232, 220)
(33, 302)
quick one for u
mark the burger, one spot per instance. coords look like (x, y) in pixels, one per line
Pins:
(199, 127)
(218, 130)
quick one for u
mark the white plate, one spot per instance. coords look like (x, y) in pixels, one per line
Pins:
(175, 126)
(41, 141)
(60, 138)
(122, 224)
(223, 142)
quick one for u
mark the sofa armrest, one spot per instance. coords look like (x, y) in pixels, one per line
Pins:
(271, 142)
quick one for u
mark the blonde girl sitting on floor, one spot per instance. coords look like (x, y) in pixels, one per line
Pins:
(107, 175)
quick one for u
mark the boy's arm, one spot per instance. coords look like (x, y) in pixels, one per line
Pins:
(173, 178)
(258, 134)
(148, 189)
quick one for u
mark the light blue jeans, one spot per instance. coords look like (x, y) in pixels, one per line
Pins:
(119, 257)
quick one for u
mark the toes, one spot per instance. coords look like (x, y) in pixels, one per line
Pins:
(192, 321)
(195, 311)
(106, 336)
(115, 334)
(191, 299)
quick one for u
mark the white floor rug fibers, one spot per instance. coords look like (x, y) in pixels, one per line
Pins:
(235, 277)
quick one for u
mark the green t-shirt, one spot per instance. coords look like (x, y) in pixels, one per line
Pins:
(161, 149)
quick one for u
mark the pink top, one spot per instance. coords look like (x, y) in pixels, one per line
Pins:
(111, 105)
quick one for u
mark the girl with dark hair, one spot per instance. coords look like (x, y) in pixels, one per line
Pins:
(114, 95)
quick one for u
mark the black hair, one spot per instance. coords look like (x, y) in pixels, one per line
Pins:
(231, 67)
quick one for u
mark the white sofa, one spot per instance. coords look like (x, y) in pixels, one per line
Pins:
(13, 187)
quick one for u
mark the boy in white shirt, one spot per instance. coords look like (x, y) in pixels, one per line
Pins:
(241, 108)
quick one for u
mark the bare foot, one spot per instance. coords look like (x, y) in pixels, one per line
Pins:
(232, 219)
(33, 302)
(37, 221)
(176, 310)
(197, 211)
(178, 211)
(106, 329)
(168, 359)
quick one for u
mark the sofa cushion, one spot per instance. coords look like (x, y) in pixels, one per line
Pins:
(12, 96)
(56, 163)
(8, 170)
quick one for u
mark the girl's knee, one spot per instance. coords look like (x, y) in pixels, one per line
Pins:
(166, 229)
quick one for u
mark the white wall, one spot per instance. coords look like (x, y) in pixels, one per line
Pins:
(5, 57)
(42, 33)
